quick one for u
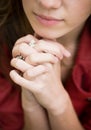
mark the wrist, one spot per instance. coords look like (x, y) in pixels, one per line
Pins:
(60, 105)
(29, 102)
(30, 106)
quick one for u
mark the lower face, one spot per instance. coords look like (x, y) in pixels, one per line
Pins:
(53, 21)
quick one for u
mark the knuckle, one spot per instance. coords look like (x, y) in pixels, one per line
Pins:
(13, 62)
(22, 45)
(29, 36)
(39, 44)
(33, 59)
(21, 48)
(28, 73)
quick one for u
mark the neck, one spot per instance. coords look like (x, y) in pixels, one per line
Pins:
(72, 37)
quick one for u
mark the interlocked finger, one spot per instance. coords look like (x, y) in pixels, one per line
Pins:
(32, 73)
(52, 47)
(41, 58)
(20, 64)
(23, 49)
(25, 39)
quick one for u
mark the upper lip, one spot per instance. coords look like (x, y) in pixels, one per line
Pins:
(47, 17)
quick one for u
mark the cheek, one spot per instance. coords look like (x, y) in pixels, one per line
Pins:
(78, 17)
(78, 11)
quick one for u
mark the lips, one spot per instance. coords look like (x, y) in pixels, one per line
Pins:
(47, 20)
(47, 17)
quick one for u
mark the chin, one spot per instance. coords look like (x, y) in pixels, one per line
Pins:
(47, 35)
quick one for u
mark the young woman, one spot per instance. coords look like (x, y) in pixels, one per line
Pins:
(50, 43)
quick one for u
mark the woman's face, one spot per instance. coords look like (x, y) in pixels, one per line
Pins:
(56, 18)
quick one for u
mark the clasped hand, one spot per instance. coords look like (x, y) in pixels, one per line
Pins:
(40, 71)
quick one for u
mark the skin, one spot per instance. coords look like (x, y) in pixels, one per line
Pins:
(61, 9)
(42, 69)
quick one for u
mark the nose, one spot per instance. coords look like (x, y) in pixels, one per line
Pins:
(51, 3)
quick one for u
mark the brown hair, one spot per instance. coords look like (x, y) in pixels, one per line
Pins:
(13, 25)
(5, 10)
(13, 21)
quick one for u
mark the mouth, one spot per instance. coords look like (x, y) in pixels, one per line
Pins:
(47, 20)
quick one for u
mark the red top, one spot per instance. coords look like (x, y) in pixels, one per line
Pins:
(11, 114)
(79, 83)
(78, 86)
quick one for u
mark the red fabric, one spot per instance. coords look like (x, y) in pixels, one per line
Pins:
(11, 114)
(79, 83)
(11, 117)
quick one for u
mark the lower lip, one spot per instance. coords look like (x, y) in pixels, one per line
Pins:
(47, 22)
